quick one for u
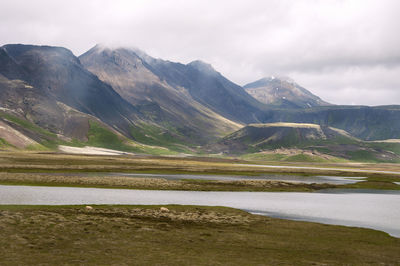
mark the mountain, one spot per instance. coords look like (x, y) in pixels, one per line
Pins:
(170, 107)
(123, 98)
(283, 92)
(312, 140)
(33, 120)
(364, 122)
(57, 74)
(8, 67)
(200, 83)
(22, 100)
(274, 135)
(48, 98)
(208, 87)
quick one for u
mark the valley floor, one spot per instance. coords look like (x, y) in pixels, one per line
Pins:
(180, 235)
(54, 169)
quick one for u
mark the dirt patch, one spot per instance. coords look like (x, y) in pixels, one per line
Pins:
(88, 150)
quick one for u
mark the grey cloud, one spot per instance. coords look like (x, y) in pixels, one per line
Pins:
(349, 46)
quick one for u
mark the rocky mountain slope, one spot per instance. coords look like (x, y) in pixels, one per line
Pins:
(56, 74)
(169, 106)
(19, 99)
(208, 87)
(283, 92)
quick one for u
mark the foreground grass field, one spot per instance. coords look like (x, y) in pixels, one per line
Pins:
(181, 235)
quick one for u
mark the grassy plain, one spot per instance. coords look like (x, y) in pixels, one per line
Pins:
(184, 235)
(25, 168)
(124, 182)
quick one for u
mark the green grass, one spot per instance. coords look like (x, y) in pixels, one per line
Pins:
(374, 185)
(98, 136)
(264, 156)
(385, 183)
(362, 156)
(37, 147)
(277, 157)
(304, 158)
(28, 125)
(5, 144)
(49, 141)
(156, 136)
(393, 147)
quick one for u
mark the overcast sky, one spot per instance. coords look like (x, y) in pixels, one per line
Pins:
(346, 52)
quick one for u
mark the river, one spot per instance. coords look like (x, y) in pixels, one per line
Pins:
(374, 209)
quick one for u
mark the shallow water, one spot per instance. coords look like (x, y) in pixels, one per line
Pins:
(369, 209)
(336, 180)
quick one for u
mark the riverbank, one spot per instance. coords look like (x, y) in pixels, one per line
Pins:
(124, 182)
(23, 169)
(68, 163)
(202, 235)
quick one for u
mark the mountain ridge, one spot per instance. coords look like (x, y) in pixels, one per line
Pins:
(126, 95)
(134, 79)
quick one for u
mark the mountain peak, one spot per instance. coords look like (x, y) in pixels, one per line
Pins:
(97, 49)
(100, 47)
(202, 66)
(266, 81)
(33, 53)
(108, 50)
(282, 91)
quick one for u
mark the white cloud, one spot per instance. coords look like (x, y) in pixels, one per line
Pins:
(349, 45)
(376, 85)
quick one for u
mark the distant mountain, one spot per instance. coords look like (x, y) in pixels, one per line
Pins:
(364, 122)
(283, 92)
(257, 137)
(171, 107)
(318, 141)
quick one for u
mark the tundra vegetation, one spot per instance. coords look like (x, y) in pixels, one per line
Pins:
(173, 235)
(53, 169)
(94, 235)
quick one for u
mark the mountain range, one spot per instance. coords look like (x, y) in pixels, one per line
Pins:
(122, 98)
